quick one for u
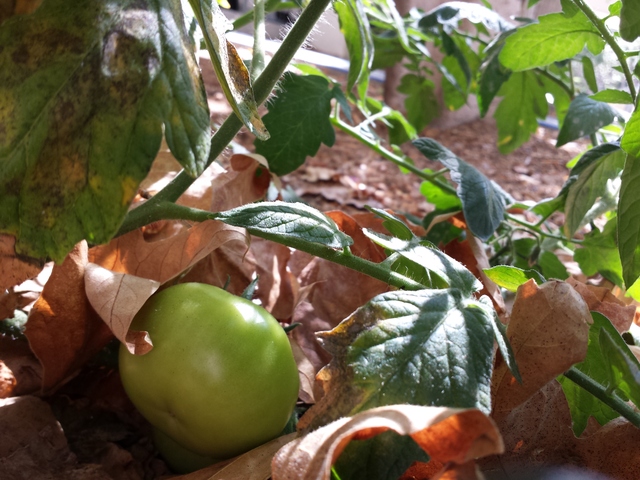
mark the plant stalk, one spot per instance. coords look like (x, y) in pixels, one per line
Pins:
(598, 391)
(141, 216)
(608, 37)
(172, 211)
(259, 32)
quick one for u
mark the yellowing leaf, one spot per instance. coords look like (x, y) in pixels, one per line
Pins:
(446, 434)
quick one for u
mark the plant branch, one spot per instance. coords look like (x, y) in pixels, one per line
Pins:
(536, 229)
(392, 157)
(598, 391)
(259, 32)
(263, 86)
(380, 271)
(608, 37)
(557, 81)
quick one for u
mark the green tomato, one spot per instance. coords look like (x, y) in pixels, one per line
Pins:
(220, 379)
(179, 459)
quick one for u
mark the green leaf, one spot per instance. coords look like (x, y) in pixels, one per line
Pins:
(492, 74)
(589, 74)
(517, 115)
(629, 221)
(552, 267)
(612, 96)
(428, 347)
(441, 199)
(288, 223)
(585, 116)
(85, 94)
(442, 269)
(393, 224)
(630, 142)
(357, 34)
(298, 118)
(483, 201)
(589, 181)
(400, 130)
(383, 457)
(615, 8)
(630, 20)
(609, 363)
(387, 51)
(598, 253)
(452, 13)
(455, 87)
(511, 278)
(229, 67)
(421, 103)
(556, 37)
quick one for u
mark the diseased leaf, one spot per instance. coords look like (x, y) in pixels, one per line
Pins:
(629, 220)
(517, 115)
(427, 347)
(512, 277)
(613, 96)
(85, 94)
(354, 25)
(230, 69)
(483, 201)
(554, 38)
(298, 118)
(447, 435)
(585, 116)
(590, 180)
(289, 223)
(630, 20)
(548, 331)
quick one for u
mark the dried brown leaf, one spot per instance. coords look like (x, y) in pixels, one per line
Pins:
(117, 297)
(548, 331)
(602, 300)
(306, 372)
(164, 259)
(63, 329)
(446, 434)
(253, 465)
(14, 268)
(22, 364)
(8, 381)
(247, 181)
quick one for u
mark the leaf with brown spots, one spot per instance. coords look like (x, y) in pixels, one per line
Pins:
(85, 94)
(449, 436)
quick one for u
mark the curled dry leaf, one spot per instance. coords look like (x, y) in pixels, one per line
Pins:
(253, 465)
(306, 372)
(602, 300)
(247, 181)
(548, 331)
(446, 434)
(63, 329)
(117, 297)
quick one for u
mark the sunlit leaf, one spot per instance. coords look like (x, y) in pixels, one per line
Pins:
(512, 277)
(585, 116)
(84, 96)
(629, 221)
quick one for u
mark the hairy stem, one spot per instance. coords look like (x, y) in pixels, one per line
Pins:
(259, 31)
(263, 86)
(598, 391)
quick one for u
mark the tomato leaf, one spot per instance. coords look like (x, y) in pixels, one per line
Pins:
(492, 74)
(517, 115)
(630, 20)
(612, 96)
(298, 119)
(288, 223)
(629, 220)
(229, 67)
(512, 277)
(421, 103)
(556, 37)
(426, 347)
(590, 182)
(589, 74)
(354, 25)
(483, 201)
(86, 92)
(608, 362)
(599, 253)
(451, 13)
(585, 116)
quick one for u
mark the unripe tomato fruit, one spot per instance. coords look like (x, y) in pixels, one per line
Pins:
(220, 379)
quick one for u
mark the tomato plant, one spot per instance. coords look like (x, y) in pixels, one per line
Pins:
(220, 379)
